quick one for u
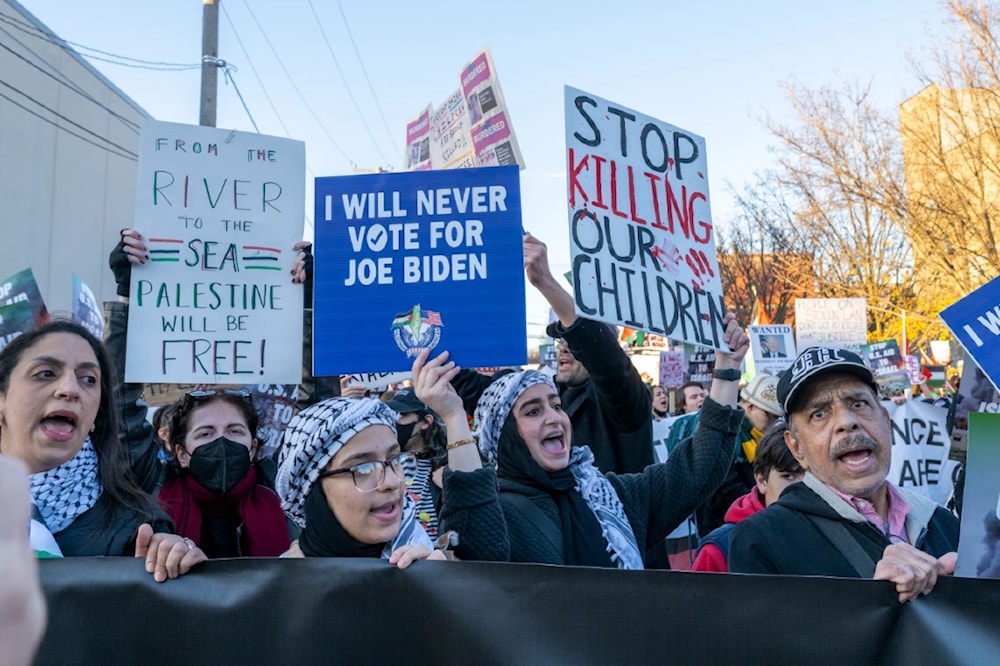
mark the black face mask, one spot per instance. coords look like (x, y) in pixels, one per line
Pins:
(404, 432)
(219, 465)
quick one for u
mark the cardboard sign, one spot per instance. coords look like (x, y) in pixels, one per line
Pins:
(831, 322)
(493, 139)
(975, 321)
(671, 369)
(979, 538)
(772, 348)
(920, 449)
(86, 309)
(219, 211)
(418, 260)
(640, 226)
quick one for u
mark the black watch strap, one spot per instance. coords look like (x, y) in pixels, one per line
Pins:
(730, 375)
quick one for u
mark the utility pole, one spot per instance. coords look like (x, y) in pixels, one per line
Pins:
(209, 61)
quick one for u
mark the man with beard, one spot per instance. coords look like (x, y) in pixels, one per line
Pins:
(844, 518)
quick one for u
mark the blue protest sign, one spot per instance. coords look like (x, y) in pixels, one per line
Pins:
(975, 321)
(425, 259)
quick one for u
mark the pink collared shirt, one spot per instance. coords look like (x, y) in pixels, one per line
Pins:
(895, 530)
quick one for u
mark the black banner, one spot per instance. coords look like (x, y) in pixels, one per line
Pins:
(358, 611)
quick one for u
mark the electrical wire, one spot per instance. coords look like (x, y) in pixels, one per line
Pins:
(70, 132)
(227, 71)
(350, 95)
(71, 122)
(392, 141)
(302, 97)
(130, 124)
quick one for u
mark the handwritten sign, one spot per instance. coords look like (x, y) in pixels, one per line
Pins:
(671, 369)
(219, 211)
(641, 234)
(451, 135)
(831, 322)
(418, 260)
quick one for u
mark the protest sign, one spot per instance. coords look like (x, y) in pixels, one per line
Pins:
(418, 260)
(641, 234)
(975, 321)
(86, 309)
(701, 363)
(493, 139)
(418, 141)
(883, 357)
(275, 405)
(891, 382)
(15, 319)
(548, 357)
(975, 394)
(979, 537)
(831, 322)
(22, 287)
(220, 211)
(378, 381)
(451, 135)
(912, 364)
(920, 449)
(772, 348)
(671, 369)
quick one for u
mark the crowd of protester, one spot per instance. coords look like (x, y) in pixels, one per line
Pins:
(783, 476)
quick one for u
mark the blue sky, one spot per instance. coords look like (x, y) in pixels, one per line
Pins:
(710, 67)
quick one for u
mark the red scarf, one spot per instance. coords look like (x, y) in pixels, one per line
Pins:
(264, 526)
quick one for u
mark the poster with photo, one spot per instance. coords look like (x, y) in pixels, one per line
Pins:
(493, 139)
(979, 541)
(772, 347)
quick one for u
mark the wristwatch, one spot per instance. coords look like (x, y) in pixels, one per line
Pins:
(730, 375)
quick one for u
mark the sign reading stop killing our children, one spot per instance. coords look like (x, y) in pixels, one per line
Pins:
(219, 211)
(418, 260)
(641, 234)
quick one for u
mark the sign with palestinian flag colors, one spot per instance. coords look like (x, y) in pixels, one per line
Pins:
(418, 260)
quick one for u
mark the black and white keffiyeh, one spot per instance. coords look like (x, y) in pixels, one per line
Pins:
(64, 492)
(495, 404)
(313, 438)
(492, 411)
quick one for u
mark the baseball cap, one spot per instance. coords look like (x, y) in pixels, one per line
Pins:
(815, 361)
(406, 401)
(762, 392)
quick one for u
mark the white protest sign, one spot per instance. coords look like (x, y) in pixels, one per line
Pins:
(451, 138)
(378, 380)
(920, 448)
(772, 348)
(672, 368)
(831, 322)
(641, 233)
(219, 211)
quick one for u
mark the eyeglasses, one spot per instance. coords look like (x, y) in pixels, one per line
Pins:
(211, 393)
(369, 475)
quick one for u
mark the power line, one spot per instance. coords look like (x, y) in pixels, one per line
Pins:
(305, 102)
(227, 70)
(393, 142)
(60, 127)
(69, 84)
(350, 95)
(71, 122)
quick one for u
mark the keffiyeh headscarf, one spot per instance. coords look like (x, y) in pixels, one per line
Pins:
(314, 437)
(499, 442)
(63, 493)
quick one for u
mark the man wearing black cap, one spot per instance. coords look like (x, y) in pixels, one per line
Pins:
(606, 399)
(844, 518)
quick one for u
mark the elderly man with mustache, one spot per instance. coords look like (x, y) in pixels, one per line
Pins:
(844, 518)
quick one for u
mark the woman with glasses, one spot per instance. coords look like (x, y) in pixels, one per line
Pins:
(59, 417)
(341, 479)
(215, 492)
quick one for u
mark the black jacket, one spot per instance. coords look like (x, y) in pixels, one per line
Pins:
(783, 539)
(108, 528)
(494, 526)
(610, 412)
